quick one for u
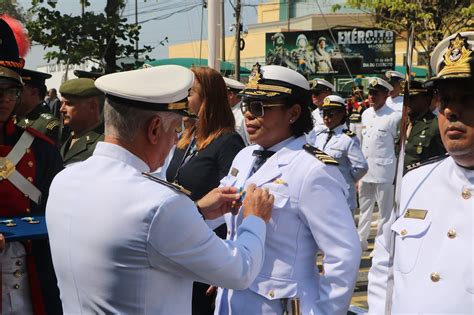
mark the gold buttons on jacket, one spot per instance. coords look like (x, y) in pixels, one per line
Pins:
(17, 273)
(452, 233)
(30, 179)
(16, 286)
(403, 232)
(28, 210)
(466, 193)
(30, 163)
(271, 294)
(435, 277)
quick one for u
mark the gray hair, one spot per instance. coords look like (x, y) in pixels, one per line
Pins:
(125, 122)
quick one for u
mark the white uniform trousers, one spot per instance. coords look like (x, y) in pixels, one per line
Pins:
(369, 193)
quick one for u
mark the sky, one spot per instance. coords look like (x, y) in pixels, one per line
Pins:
(158, 18)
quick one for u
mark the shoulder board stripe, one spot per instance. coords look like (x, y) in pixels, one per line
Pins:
(173, 186)
(349, 132)
(433, 159)
(320, 155)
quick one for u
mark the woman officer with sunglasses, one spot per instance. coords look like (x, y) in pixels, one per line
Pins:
(310, 212)
(342, 144)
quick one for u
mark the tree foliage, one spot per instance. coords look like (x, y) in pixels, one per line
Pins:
(102, 38)
(7, 7)
(433, 19)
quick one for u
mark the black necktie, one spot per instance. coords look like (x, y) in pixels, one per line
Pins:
(330, 134)
(262, 156)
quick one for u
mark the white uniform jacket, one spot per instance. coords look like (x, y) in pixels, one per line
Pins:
(310, 214)
(123, 244)
(434, 245)
(379, 134)
(395, 103)
(346, 150)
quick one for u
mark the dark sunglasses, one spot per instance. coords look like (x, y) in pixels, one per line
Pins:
(256, 108)
(331, 113)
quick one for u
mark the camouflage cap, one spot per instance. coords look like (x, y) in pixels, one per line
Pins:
(81, 87)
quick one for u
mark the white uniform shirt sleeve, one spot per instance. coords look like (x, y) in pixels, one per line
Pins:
(325, 211)
(357, 160)
(193, 250)
(378, 273)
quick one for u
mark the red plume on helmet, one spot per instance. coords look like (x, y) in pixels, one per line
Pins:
(21, 37)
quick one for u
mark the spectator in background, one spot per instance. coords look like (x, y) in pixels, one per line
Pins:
(54, 103)
(320, 89)
(233, 89)
(204, 154)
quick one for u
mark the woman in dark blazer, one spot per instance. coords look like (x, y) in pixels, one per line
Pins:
(204, 154)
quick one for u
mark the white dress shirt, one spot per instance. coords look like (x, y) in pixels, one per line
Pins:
(310, 214)
(434, 245)
(379, 134)
(346, 150)
(395, 103)
(123, 244)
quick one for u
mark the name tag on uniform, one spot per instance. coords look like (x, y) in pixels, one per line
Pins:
(415, 214)
(234, 171)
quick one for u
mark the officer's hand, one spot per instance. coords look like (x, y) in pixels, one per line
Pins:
(217, 202)
(2, 242)
(258, 202)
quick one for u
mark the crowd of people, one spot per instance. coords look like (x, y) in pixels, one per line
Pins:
(174, 191)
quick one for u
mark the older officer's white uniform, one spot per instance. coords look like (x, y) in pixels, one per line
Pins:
(310, 214)
(379, 134)
(344, 147)
(318, 84)
(124, 244)
(433, 270)
(395, 103)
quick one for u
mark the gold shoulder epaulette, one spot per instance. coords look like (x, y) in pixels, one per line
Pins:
(433, 159)
(320, 155)
(349, 133)
(173, 186)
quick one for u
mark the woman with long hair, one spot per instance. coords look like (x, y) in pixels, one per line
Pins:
(205, 152)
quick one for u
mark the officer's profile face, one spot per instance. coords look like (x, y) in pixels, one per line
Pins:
(274, 126)
(29, 99)
(9, 96)
(456, 120)
(377, 98)
(78, 113)
(167, 138)
(418, 104)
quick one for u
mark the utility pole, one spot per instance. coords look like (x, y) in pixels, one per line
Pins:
(288, 11)
(223, 30)
(237, 40)
(136, 25)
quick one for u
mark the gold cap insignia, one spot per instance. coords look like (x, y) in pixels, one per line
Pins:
(457, 57)
(255, 75)
(374, 82)
(327, 101)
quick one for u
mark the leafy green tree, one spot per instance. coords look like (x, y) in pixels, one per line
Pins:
(102, 38)
(7, 7)
(433, 19)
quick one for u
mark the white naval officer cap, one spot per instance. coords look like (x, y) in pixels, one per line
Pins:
(379, 84)
(453, 58)
(163, 88)
(321, 85)
(394, 76)
(275, 83)
(234, 84)
(333, 101)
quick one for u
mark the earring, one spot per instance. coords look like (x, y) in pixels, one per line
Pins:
(291, 121)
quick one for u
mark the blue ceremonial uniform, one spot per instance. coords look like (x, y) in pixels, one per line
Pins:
(310, 215)
(344, 147)
(123, 244)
